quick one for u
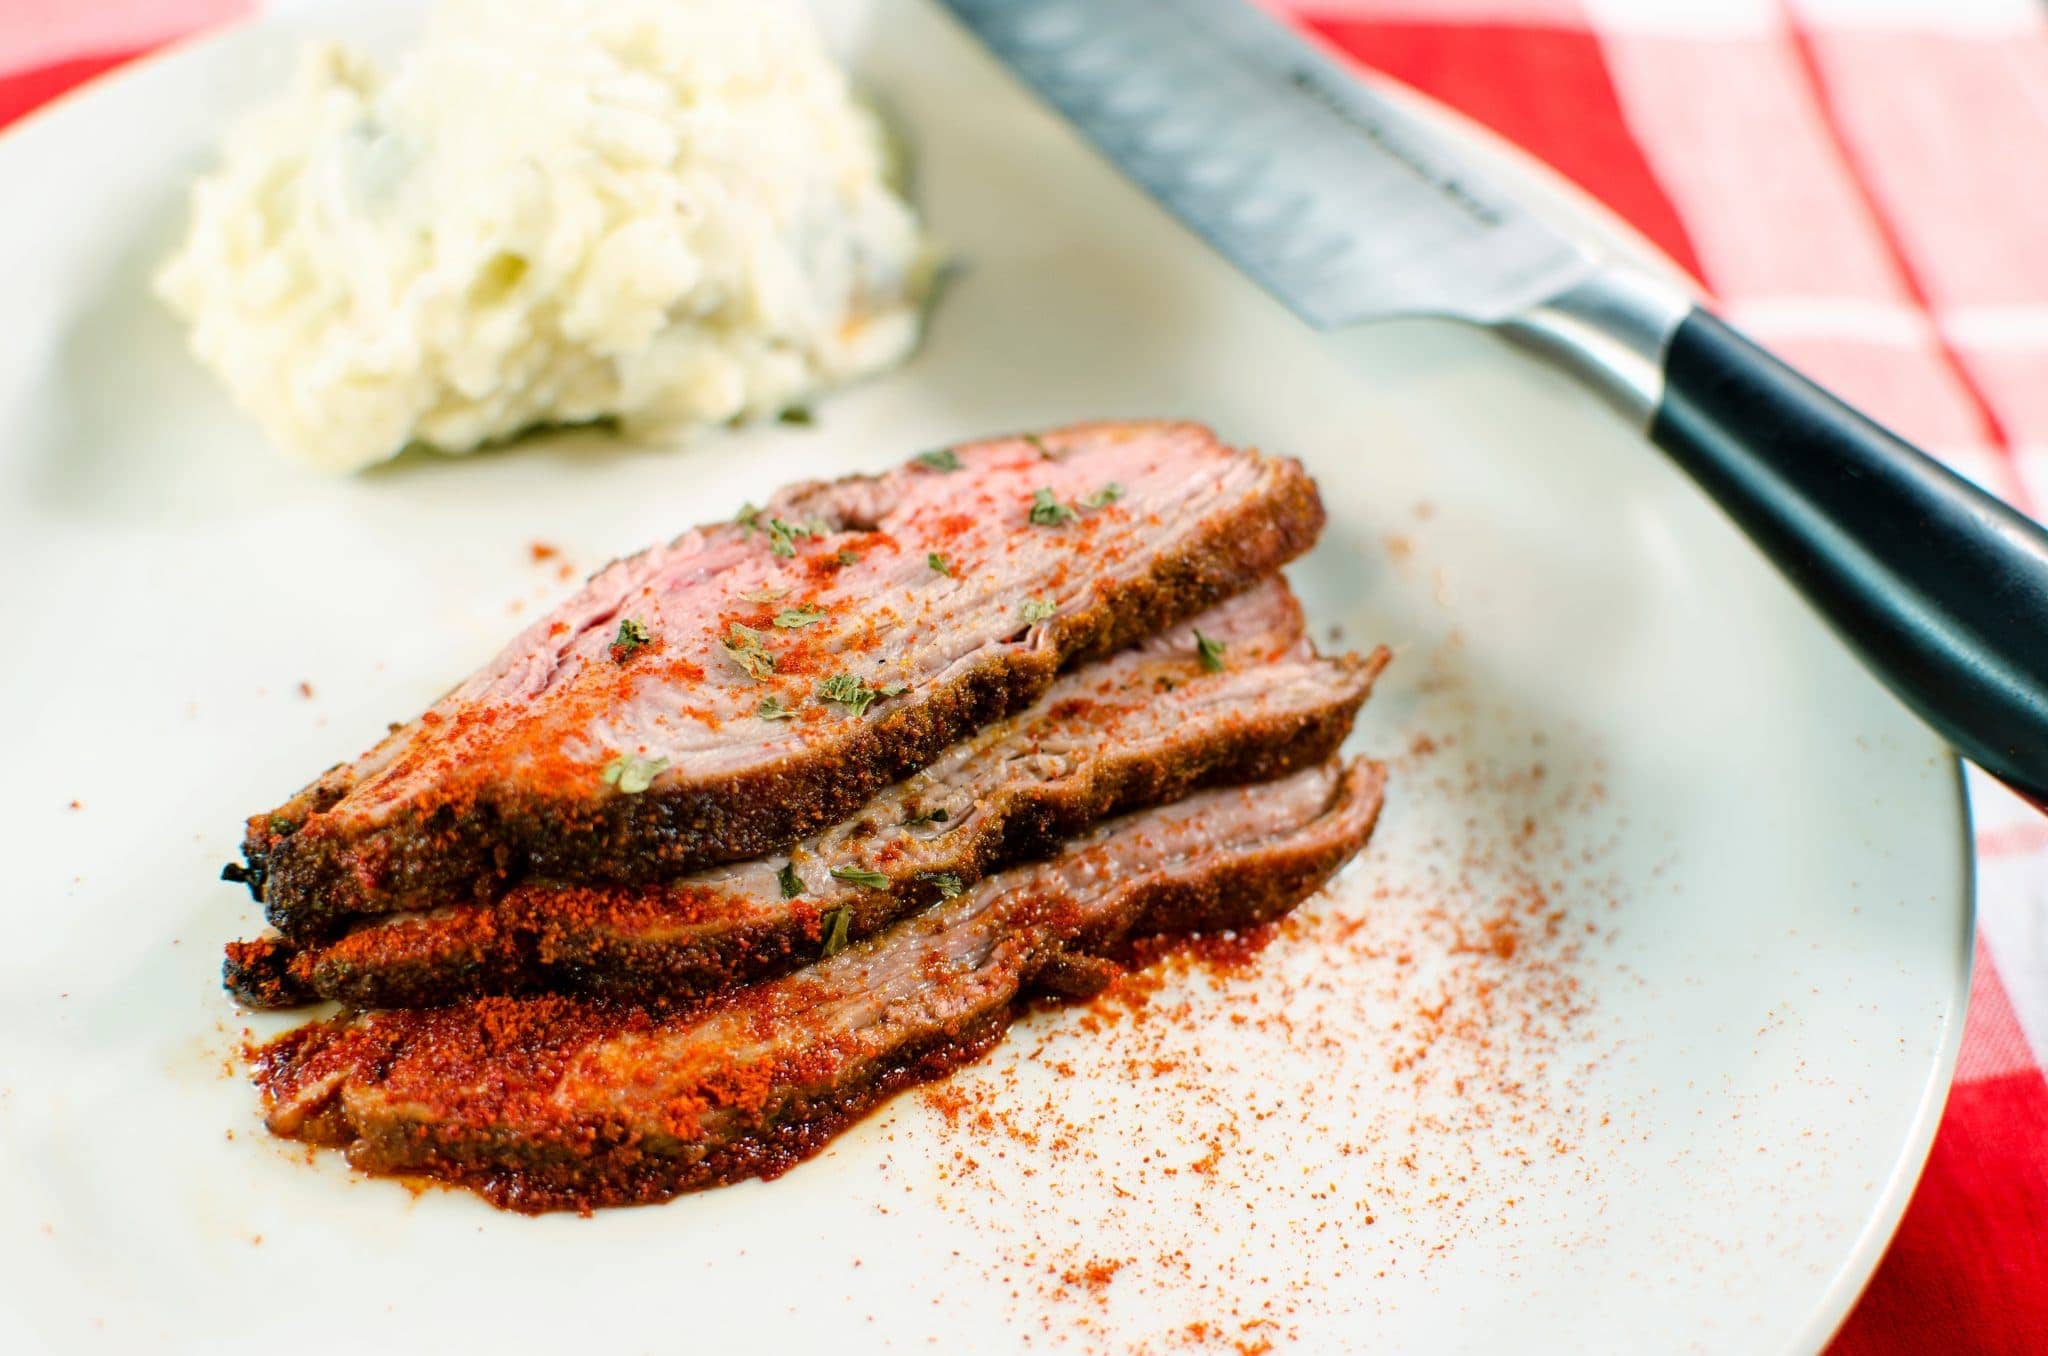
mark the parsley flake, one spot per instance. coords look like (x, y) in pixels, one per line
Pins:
(847, 690)
(804, 614)
(1210, 652)
(792, 884)
(799, 415)
(633, 774)
(1047, 511)
(743, 646)
(782, 537)
(938, 563)
(835, 932)
(941, 460)
(632, 637)
(947, 884)
(1037, 610)
(856, 696)
(748, 517)
(861, 876)
(771, 708)
(1038, 445)
(849, 557)
(1104, 497)
(938, 816)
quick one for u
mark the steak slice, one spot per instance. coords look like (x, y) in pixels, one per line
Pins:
(753, 682)
(551, 1102)
(1145, 726)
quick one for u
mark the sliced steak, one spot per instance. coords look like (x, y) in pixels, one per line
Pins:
(559, 1103)
(1237, 695)
(753, 682)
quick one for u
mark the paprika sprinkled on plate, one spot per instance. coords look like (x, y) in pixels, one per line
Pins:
(1310, 1092)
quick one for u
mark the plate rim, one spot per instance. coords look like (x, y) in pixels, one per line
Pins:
(1867, 1252)
(1845, 1286)
(1578, 211)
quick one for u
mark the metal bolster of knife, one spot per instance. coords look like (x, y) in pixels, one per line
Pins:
(1611, 329)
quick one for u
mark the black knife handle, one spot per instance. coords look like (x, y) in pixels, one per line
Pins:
(1940, 587)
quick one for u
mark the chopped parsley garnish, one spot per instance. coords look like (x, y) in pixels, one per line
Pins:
(938, 816)
(947, 884)
(835, 932)
(743, 646)
(1038, 445)
(1104, 497)
(800, 415)
(804, 614)
(771, 708)
(280, 826)
(849, 557)
(633, 774)
(632, 637)
(847, 690)
(1047, 511)
(850, 692)
(1037, 610)
(748, 517)
(861, 876)
(938, 563)
(765, 595)
(1210, 652)
(792, 884)
(782, 537)
(941, 460)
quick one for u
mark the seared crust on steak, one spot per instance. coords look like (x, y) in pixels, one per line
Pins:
(502, 780)
(1146, 726)
(557, 1103)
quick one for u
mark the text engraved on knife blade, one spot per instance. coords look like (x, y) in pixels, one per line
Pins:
(1309, 81)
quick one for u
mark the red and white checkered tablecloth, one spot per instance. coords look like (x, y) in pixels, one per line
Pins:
(1864, 186)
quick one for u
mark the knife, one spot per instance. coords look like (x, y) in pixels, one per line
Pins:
(1348, 209)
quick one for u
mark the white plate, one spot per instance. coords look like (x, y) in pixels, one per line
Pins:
(1703, 1140)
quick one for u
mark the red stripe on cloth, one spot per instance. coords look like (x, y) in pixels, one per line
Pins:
(2013, 840)
(1545, 89)
(1968, 1271)
(1993, 1044)
(1993, 428)
(1728, 126)
(24, 91)
(1952, 129)
(2011, 376)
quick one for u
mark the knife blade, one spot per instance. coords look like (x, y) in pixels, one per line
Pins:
(1349, 208)
(1340, 203)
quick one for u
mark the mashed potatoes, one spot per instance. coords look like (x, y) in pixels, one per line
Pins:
(668, 211)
